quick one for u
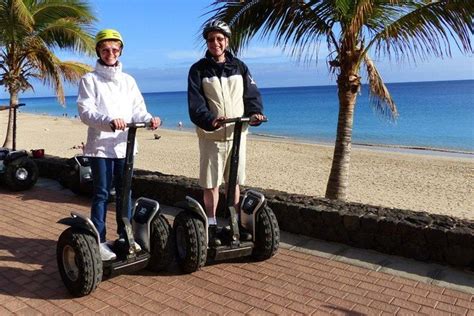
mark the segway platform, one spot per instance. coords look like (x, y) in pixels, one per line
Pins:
(226, 252)
(123, 265)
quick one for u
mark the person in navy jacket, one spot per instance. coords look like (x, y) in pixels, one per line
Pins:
(220, 86)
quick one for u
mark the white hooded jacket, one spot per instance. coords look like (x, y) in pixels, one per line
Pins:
(105, 94)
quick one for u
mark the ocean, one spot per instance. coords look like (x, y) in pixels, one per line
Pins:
(435, 115)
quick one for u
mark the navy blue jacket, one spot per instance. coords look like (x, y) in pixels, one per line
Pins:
(220, 90)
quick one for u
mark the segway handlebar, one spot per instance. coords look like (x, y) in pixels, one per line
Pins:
(7, 107)
(239, 119)
(134, 125)
(139, 124)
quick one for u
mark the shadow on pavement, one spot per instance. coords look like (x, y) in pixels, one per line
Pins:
(28, 269)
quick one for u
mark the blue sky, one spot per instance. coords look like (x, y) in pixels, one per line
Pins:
(162, 41)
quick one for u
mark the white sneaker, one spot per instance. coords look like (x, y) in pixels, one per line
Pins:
(106, 253)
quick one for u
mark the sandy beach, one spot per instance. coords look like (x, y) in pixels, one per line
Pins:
(440, 184)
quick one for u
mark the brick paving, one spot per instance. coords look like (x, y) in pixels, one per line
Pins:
(291, 283)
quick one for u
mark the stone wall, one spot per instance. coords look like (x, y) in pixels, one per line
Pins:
(418, 235)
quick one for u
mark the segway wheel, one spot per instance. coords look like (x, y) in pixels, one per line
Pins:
(79, 261)
(267, 233)
(191, 248)
(160, 243)
(21, 175)
(69, 178)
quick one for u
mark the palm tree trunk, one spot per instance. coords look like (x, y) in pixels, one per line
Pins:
(339, 177)
(8, 143)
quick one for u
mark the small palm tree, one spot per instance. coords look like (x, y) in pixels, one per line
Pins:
(404, 30)
(30, 31)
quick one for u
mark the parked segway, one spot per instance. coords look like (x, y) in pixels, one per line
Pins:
(77, 251)
(77, 177)
(191, 224)
(17, 170)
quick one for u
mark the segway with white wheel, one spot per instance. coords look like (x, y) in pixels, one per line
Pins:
(77, 251)
(191, 224)
(17, 170)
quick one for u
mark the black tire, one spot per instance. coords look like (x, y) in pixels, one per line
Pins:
(69, 178)
(79, 261)
(190, 241)
(267, 233)
(160, 244)
(21, 174)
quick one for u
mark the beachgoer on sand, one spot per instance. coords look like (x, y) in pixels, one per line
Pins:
(220, 86)
(108, 99)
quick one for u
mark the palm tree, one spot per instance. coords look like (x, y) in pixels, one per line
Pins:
(404, 30)
(30, 32)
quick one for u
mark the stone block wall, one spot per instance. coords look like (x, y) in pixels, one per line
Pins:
(418, 235)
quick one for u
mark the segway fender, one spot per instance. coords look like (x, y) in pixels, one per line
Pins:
(85, 172)
(193, 206)
(80, 221)
(252, 202)
(13, 156)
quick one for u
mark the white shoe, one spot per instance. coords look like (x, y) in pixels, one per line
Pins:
(106, 253)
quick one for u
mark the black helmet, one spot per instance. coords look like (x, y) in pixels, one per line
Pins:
(216, 26)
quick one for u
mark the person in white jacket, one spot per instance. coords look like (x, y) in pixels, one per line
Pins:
(108, 99)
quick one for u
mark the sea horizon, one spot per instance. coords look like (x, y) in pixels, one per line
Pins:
(278, 87)
(434, 116)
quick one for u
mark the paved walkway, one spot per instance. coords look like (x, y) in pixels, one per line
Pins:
(306, 276)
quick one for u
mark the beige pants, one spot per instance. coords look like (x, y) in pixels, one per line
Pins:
(215, 162)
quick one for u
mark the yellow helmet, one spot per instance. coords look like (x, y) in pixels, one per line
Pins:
(108, 34)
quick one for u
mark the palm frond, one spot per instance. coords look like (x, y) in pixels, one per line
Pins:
(294, 23)
(362, 12)
(30, 30)
(65, 24)
(21, 14)
(15, 20)
(418, 29)
(380, 98)
(72, 71)
(50, 10)
(65, 33)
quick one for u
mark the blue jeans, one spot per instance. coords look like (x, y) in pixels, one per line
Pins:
(103, 171)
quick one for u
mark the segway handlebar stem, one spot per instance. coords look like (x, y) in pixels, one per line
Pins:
(127, 183)
(234, 163)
